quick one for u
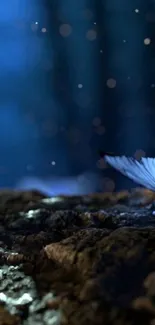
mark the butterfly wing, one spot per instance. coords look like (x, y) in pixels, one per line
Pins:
(141, 172)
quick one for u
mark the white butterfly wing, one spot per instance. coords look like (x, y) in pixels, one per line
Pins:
(141, 172)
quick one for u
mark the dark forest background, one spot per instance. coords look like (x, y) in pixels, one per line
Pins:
(76, 77)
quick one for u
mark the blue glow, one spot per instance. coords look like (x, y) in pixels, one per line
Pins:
(82, 184)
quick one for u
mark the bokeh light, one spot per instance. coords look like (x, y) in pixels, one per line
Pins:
(65, 30)
(107, 185)
(147, 41)
(91, 35)
(111, 83)
(139, 154)
(96, 121)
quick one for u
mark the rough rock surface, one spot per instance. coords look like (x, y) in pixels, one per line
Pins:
(77, 260)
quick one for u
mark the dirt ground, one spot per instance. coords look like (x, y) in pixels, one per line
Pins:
(77, 260)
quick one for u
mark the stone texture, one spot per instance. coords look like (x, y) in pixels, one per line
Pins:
(79, 259)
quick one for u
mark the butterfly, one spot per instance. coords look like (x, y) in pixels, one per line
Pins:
(140, 171)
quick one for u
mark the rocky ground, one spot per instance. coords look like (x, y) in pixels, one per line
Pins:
(77, 260)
